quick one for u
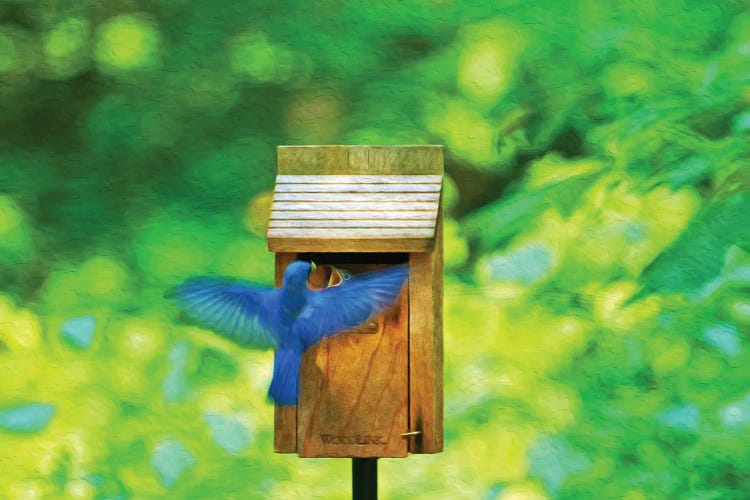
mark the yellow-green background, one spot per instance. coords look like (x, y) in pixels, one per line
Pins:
(597, 238)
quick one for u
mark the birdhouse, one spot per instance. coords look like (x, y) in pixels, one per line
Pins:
(376, 390)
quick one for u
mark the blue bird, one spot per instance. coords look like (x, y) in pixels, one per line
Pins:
(289, 319)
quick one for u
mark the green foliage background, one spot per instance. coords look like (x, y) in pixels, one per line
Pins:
(598, 230)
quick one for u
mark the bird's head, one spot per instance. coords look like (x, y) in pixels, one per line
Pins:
(297, 273)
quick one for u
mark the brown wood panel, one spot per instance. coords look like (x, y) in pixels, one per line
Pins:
(350, 245)
(361, 391)
(397, 159)
(354, 391)
(285, 417)
(335, 159)
(301, 160)
(426, 347)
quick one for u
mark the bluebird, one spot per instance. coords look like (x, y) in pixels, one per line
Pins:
(289, 319)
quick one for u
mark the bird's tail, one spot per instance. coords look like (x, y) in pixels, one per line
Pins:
(284, 389)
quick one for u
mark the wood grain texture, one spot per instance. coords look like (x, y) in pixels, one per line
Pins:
(355, 214)
(301, 160)
(360, 391)
(285, 417)
(355, 180)
(308, 244)
(351, 232)
(356, 197)
(426, 347)
(354, 390)
(358, 188)
(345, 183)
(338, 223)
(354, 206)
(312, 159)
(397, 159)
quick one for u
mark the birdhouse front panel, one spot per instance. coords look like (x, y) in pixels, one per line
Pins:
(354, 387)
(374, 390)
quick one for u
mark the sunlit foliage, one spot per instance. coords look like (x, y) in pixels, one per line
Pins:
(597, 237)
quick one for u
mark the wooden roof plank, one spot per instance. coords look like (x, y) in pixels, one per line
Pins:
(354, 205)
(424, 223)
(352, 232)
(359, 197)
(357, 188)
(350, 244)
(364, 214)
(385, 198)
(358, 179)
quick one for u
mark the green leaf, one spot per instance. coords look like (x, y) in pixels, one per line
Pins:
(698, 255)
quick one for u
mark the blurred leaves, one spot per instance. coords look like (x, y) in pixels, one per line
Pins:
(596, 238)
(697, 256)
(26, 418)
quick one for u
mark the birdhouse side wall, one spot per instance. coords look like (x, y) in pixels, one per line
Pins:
(426, 347)
(285, 417)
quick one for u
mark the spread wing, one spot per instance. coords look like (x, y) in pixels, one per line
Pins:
(238, 310)
(350, 304)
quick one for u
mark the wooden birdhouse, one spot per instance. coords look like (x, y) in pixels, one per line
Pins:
(377, 390)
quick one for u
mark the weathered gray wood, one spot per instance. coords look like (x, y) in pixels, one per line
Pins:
(338, 214)
(358, 188)
(357, 197)
(330, 200)
(372, 214)
(354, 205)
(352, 232)
(390, 223)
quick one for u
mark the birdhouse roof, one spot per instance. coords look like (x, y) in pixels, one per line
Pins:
(356, 199)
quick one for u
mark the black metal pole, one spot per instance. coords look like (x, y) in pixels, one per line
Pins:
(364, 479)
